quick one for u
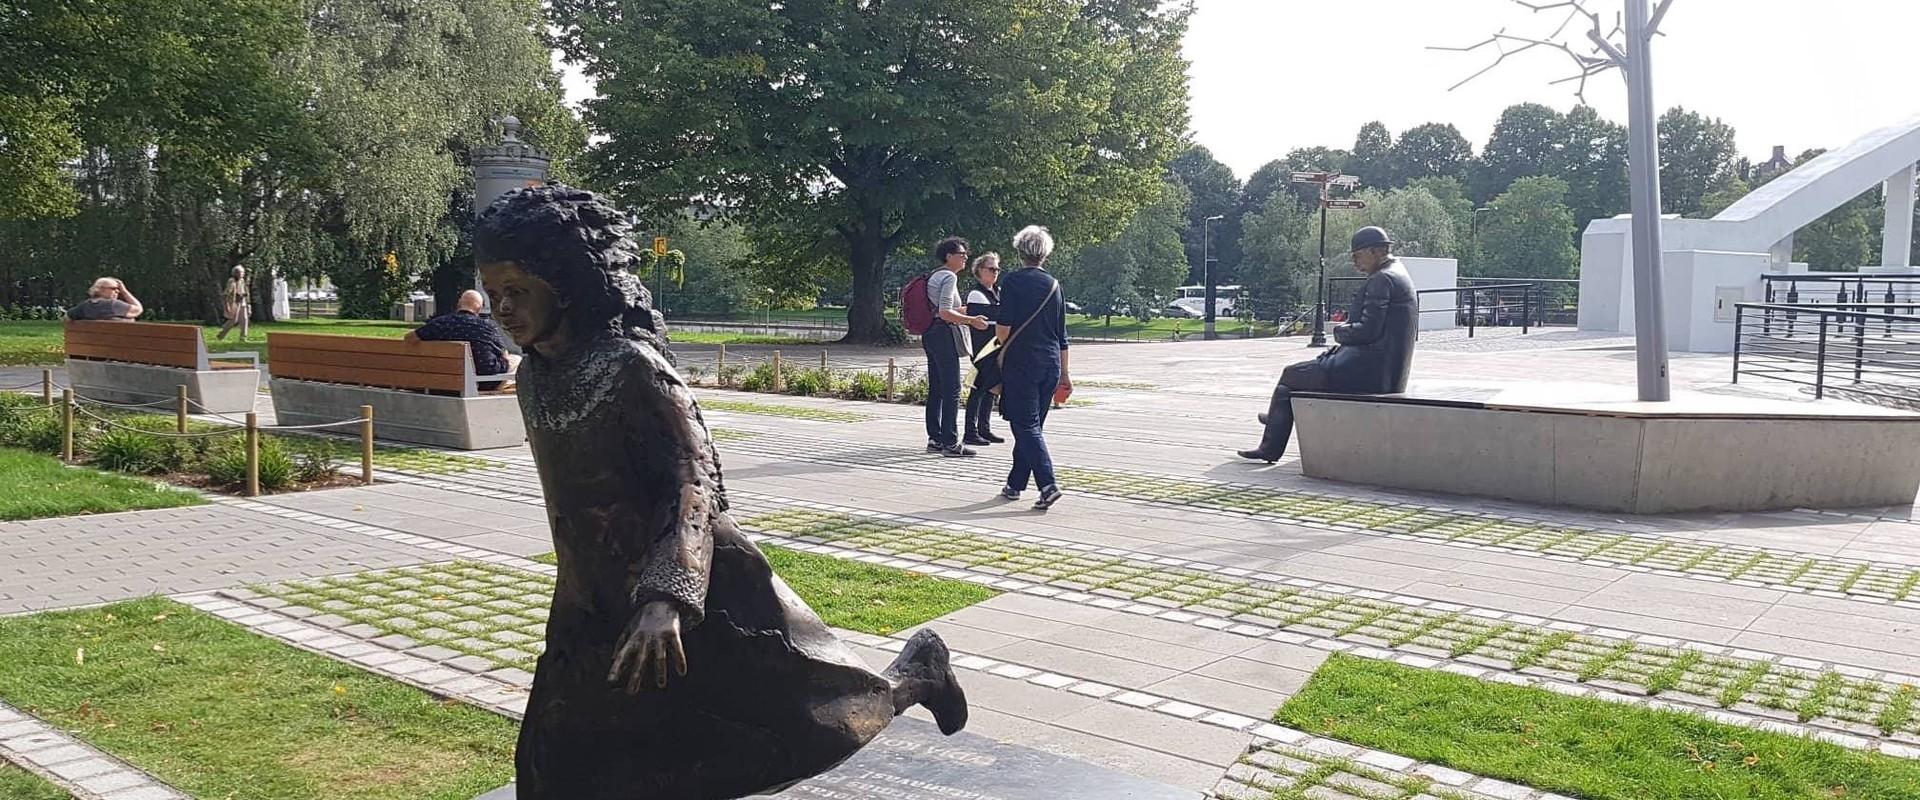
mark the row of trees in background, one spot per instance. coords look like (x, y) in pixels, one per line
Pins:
(1513, 210)
(166, 142)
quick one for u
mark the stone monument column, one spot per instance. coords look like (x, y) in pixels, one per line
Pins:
(503, 168)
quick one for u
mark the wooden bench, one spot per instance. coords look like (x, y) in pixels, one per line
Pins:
(1596, 446)
(144, 362)
(421, 392)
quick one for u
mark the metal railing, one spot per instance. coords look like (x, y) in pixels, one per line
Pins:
(1872, 354)
(1476, 305)
(1858, 290)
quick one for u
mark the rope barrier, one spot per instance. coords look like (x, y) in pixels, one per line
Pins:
(33, 385)
(165, 435)
(313, 427)
(83, 399)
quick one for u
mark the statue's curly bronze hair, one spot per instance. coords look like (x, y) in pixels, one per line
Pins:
(578, 243)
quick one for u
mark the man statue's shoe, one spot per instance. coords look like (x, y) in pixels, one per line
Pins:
(1263, 417)
(923, 665)
(1258, 455)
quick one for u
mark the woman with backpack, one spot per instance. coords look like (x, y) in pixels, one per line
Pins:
(940, 315)
(981, 302)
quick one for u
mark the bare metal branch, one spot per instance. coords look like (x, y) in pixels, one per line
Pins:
(1608, 47)
(1659, 12)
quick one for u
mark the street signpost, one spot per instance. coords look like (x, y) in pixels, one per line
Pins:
(659, 245)
(1326, 181)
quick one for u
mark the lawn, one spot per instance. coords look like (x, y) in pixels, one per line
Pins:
(1583, 747)
(1158, 328)
(865, 597)
(869, 598)
(684, 336)
(19, 784)
(777, 410)
(40, 486)
(41, 341)
(221, 713)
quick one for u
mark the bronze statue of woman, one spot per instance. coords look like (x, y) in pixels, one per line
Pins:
(678, 666)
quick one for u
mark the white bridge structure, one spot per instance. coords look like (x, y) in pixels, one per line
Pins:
(1711, 264)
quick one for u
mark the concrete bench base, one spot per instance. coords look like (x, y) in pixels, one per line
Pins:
(462, 423)
(1696, 453)
(221, 391)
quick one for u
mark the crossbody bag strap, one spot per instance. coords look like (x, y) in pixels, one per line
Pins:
(1002, 358)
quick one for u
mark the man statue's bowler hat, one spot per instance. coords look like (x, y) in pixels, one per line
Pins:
(1370, 236)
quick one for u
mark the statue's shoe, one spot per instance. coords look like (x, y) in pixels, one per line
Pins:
(924, 665)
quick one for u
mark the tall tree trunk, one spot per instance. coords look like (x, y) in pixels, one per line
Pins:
(867, 313)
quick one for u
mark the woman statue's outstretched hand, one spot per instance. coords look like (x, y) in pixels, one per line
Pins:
(651, 644)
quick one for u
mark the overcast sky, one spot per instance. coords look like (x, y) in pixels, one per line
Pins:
(1272, 75)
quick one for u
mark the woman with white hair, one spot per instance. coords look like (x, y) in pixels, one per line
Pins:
(237, 304)
(1032, 328)
(108, 299)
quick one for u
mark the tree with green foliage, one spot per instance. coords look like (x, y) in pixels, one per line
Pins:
(1268, 181)
(869, 127)
(1214, 191)
(1372, 156)
(1695, 151)
(1592, 159)
(298, 138)
(1529, 234)
(1525, 142)
(1433, 150)
(1418, 222)
(1136, 271)
(1725, 191)
(1278, 244)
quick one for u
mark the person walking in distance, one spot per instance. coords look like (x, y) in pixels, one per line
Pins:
(1375, 351)
(237, 304)
(945, 343)
(981, 302)
(1033, 363)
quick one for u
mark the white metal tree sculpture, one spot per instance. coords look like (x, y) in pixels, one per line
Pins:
(1626, 46)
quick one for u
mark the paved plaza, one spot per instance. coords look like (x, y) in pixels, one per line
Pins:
(1150, 623)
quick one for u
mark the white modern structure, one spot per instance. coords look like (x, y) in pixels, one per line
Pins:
(1436, 312)
(1710, 264)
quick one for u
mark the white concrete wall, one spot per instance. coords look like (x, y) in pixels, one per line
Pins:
(1434, 273)
(1603, 284)
(1694, 281)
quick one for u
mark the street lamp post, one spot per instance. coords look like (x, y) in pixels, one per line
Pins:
(1326, 181)
(1206, 271)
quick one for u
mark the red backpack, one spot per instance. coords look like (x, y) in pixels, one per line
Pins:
(916, 308)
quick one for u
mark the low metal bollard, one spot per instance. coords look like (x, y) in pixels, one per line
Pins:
(253, 454)
(366, 445)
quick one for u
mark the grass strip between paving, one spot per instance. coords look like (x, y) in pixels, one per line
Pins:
(221, 713)
(39, 486)
(19, 784)
(1579, 746)
(865, 597)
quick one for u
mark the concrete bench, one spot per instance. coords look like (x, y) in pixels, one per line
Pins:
(1595, 446)
(145, 362)
(421, 392)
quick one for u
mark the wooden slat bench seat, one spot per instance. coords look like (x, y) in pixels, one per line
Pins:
(141, 362)
(422, 392)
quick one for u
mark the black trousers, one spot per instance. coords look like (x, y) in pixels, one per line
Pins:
(943, 385)
(1306, 376)
(980, 399)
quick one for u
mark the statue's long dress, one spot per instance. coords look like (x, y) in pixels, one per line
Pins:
(771, 696)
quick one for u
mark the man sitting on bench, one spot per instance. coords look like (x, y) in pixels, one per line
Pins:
(1375, 350)
(484, 339)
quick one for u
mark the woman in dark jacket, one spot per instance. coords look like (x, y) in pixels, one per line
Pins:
(1032, 320)
(981, 302)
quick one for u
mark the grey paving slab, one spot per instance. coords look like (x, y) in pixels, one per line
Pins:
(100, 558)
(1161, 732)
(1091, 665)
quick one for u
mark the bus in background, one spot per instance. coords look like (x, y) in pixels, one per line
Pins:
(1191, 301)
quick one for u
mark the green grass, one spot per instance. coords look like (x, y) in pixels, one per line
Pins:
(221, 713)
(774, 410)
(39, 486)
(24, 342)
(1157, 328)
(1578, 746)
(19, 784)
(865, 597)
(684, 336)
